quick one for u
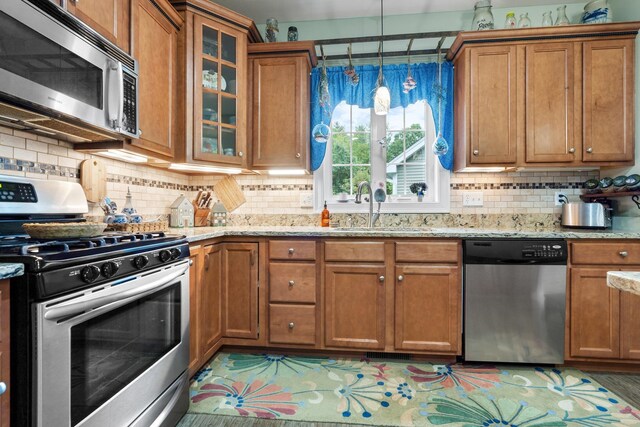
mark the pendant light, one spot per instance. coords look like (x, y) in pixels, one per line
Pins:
(382, 97)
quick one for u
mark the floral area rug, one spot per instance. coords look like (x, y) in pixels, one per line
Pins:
(396, 393)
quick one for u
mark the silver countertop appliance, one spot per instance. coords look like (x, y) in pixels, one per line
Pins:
(586, 215)
(514, 300)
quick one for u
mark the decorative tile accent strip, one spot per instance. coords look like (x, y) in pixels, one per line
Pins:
(517, 186)
(34, 167)
(129, 180)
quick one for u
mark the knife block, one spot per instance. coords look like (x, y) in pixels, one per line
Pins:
(201, 217)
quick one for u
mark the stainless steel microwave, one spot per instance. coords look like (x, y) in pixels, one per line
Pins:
(58, 75)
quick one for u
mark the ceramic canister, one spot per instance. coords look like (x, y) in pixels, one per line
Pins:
(597, 12)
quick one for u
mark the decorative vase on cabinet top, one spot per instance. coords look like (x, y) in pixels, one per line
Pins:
(482, 18)
(597, 12)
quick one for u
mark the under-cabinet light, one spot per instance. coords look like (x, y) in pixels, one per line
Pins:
(285, 172)
(199, 168)
(485, 169)
(124, 155)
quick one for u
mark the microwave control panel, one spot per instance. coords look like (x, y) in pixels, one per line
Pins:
(17, 192)
(130, 107)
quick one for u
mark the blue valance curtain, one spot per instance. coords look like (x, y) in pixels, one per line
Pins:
(426, 77)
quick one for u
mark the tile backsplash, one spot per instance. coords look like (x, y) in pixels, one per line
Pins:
(154, 189)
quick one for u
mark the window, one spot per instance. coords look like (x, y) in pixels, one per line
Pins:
(392, 152)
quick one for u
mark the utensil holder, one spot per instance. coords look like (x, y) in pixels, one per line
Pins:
(201, 218)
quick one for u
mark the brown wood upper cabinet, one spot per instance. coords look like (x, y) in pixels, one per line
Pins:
(110, 18)
(155, 46)
(213, 84)
(608, 70)
(279, 107)
(544, 97)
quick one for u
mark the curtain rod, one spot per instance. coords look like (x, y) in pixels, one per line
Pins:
(386, 54)
(390, 37)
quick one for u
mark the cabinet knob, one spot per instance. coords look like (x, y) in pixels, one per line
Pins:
(400, 278)
(139, 132)
(297, 155)
(3, 387)
(476, 152)
(291, 283)
(589, 150)
(624, 254)
(291, 251)
(572, 150)
(291, 325)
(240, 153)
(381, 279)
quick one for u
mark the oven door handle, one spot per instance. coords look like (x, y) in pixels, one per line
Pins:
(94, 301)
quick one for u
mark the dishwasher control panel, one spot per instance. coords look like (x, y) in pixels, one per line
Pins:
(515, 251)
(543, 250)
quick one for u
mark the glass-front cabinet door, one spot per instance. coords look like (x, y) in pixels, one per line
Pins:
(219, 93)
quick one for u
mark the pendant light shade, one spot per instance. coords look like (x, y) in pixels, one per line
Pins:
(382, 100)
(382, 97)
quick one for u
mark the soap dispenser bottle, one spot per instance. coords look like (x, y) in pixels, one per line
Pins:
(324, 221)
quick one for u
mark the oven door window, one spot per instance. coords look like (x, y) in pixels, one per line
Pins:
(28, 54)
(111, 350)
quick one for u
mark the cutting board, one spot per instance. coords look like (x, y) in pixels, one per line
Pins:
(93, 178)
(229, 193)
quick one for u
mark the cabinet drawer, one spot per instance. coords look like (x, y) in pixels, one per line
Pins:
(292, 250)
(292, 282)
(427, 252)
(354, 251)
(292, 324)
(623, 253)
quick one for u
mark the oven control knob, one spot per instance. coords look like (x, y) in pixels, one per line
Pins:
(175, 253)
(109, 269)
(140, 261)
(165, 255)
(89, 273)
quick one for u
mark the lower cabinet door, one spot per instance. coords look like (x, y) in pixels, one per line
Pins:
(630, 326)
(428, 308)
(355, 306)
(210, 301)
(240, 290)
(595, 314)
(292, 324)
(195, 351)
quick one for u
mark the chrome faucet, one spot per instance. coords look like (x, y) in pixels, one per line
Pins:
(372, 218)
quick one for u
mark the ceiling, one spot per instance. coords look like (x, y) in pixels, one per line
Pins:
(312, 10)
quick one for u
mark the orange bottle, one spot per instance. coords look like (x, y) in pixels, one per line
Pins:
(324, 221)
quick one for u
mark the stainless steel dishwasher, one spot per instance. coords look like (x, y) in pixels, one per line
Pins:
(514, 300)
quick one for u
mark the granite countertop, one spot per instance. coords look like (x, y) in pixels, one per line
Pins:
(204, 233)
(628, 281)
(7, 271)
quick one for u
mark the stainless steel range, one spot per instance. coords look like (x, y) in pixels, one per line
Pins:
(100, 326)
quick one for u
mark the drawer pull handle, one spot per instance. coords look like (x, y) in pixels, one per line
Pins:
(400, 278)
(291, 283)
(624, 254)
(476, 152)
(381, 279)
(291, 251)
(291, 325)
(572, 150)
(298, 155)
(589, 150)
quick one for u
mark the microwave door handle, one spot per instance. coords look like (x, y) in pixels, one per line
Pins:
(93, 301)
(115, 90)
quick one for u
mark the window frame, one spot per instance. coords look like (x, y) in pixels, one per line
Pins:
(438, 179)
